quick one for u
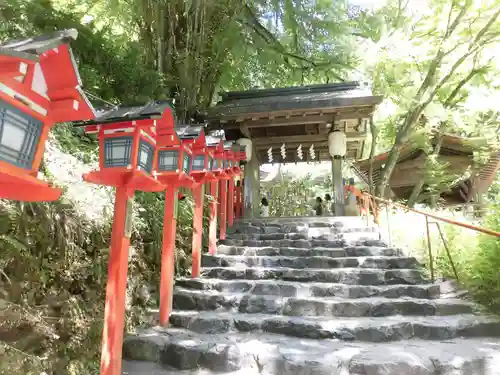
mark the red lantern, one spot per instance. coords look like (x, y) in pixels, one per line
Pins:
(127, 144)
(173, 168)
(126, 154)
(202, 161)
(216, 148)
(39, 86)
(232, 153)
(174, 157)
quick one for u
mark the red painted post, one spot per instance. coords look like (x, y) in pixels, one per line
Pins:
(198, 195)
(230, 203)
(168, 255)
(114, 311)
(212, 223)
(222, 208)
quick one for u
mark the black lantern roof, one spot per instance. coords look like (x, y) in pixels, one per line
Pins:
(149, 110)
(189, 131)
(31, 48)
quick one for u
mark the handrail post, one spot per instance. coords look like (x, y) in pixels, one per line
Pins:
(447, 250)
(431, 261)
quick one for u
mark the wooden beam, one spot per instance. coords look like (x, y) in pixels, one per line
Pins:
(245, 131)
(283, 121)
(303, 139)
(266, 120)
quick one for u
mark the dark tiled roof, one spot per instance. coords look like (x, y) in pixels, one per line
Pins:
(128, 113)
(305, 97)
(32, 47)
(189, 131)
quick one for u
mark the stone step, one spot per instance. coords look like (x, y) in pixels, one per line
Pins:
(347, 239)
(325, 306)
(297, 289)
(369, 329)
(351, 276)
(308, 262)
(160, 350)
(354, 251)
(304, 233)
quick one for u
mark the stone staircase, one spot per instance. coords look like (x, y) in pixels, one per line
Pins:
(315, 296)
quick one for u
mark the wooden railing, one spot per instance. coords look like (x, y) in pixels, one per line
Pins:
(368, 205)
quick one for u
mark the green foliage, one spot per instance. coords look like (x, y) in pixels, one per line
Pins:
(290, 197)
(476, 257)
(53, 272)
(433, 62)
(484, 278)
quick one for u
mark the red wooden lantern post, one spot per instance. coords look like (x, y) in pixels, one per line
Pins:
(127, 142)
(234, 156)
(232, 150)
(39, 86)
(238, 189)
(173, 167)
(216, 147)
(227, 163)
(202, 173)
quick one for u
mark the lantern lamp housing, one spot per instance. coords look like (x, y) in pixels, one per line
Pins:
(215, 146)
(337, 143)
(229, 155)
(39, 86)
(128, 145)
(202, 155)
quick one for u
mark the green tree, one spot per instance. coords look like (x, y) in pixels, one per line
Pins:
(432, 60)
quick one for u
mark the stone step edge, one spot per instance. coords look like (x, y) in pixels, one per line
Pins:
(367, 329)
(320, 306)
(299, 354)
(355, 276)
(329, 299)
(301, 261)
(211, 283)
(295, 235)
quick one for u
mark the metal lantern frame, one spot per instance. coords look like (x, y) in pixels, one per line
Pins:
(203, 158)
(218, 157)
(39, 86)
(178, 174)
(134, 139)
(229, 159)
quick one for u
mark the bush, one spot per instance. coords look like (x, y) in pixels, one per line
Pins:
(483, 273)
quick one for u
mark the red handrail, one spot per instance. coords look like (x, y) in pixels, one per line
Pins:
(435, 217)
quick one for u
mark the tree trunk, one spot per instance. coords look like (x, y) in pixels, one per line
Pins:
(417, 189)
(373, 147)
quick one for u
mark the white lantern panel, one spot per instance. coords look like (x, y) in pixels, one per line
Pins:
(117, 151)
(198, 163)
(168, 160)
(145, 156)
(19, 136)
